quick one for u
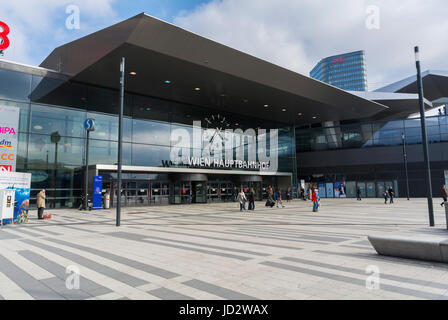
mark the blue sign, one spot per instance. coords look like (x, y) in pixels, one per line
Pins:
(97, 193)
(89, 125)
(322, 190)
(337, 189)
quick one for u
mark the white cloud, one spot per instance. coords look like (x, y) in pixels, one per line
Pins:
(37, 24)
(297, 33)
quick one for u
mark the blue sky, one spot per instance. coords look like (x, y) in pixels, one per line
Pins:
(37, 27)
(294, 34)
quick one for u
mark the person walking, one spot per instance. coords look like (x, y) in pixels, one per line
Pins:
(252, 200)
(279, 198)
(41, 204)
(315, 198)
(242, 200)
(270, 202)
(444, 194)
(288, 195)
(386, 196)
(391, 195)
(358, 193)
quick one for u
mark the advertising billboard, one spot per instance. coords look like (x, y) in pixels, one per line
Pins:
(21, 183)
(9, 130)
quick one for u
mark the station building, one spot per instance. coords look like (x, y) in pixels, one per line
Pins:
(202, 120)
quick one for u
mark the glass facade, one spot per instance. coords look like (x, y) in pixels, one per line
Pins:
(371, 134)
(381, 164)
(57, 164)
(346, 71)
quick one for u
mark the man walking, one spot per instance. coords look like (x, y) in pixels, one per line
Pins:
(252, 200)
(358, 193)
(391, 195)
(444, 195)
(40, 205)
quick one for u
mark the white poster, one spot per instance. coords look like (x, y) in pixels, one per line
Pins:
(9, 130)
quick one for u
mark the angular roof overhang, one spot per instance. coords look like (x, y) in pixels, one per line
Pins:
(230, 80)
(401, 105)
(435, 85)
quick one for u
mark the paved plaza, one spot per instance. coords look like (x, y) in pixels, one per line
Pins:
(215, 252)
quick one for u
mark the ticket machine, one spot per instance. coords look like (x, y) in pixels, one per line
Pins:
(7, 198)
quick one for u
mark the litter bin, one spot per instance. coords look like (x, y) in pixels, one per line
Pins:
(107, 201)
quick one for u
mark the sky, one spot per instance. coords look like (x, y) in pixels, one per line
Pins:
(294, 34)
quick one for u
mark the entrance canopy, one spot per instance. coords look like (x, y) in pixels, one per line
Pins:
(167, 62)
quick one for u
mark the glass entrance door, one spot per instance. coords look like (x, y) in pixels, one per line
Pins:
(199, 195)
(371, 190)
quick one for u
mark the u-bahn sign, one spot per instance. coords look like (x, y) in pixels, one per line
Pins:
(9, 131)
(4, 32)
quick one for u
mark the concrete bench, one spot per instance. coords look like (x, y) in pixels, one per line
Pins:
(427, 248)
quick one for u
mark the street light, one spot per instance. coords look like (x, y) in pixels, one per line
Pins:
(120, 141)
(405, 157)
(55, 138)
(424, 137)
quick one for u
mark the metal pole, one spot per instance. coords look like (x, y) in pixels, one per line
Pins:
(424, 137)
(86, 174)
(405, 156)
(120, 141)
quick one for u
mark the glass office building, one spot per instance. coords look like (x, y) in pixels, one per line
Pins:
(346, 71)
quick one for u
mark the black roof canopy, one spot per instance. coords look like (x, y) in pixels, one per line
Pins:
(228, 79)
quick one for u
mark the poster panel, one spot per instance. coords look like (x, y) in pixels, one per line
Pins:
(330, 190)
(97, 193)
(9, 130)
(322, 190)
(337, 190)
(21, 183)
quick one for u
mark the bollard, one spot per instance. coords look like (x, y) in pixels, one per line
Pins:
(106, 201)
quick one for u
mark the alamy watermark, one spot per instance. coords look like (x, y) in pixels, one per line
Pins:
(373, 19)
(73, 281)
(73, 21)
(374, 277)
(225, 148)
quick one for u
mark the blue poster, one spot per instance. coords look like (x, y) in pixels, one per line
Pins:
(337, 190)
(330, 193)
(97, 193)
(322, 192)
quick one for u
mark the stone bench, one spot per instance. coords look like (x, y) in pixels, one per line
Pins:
(427, 248)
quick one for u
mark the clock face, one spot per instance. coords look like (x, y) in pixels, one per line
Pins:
(216, 126)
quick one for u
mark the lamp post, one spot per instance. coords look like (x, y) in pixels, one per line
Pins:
(405, 157)
(120, 141)
(424, 137)
(55, 138)
(89, 125)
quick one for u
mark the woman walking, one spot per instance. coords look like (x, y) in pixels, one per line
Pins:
(242, 200)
